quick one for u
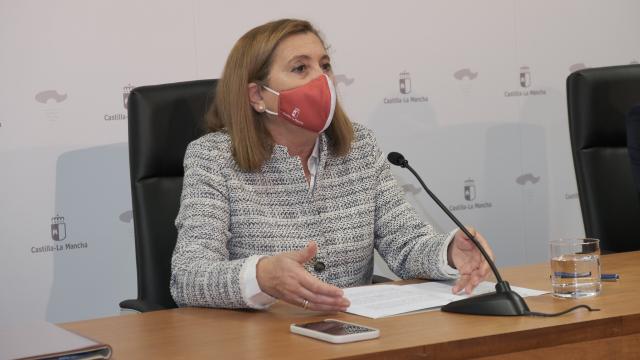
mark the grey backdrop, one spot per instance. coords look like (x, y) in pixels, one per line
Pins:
(483, 109)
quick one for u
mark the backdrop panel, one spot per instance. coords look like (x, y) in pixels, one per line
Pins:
(471, 92)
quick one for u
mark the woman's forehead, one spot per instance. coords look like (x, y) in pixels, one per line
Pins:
(294, 46)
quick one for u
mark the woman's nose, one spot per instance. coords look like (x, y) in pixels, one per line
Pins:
(316, 71)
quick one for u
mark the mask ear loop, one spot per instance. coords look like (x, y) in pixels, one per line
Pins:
(332, 91)
(273, 92)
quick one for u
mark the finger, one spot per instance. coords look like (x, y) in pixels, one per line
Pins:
(309, 252)
(294, 299)
(485, 270)
(480, 274)
(472, 282)
(304, 255)
(335, 301)
(299, 301)
(475, 280)
(317, 286)
(469, 288)
(305, 286)
(319, 307)
(460, 284)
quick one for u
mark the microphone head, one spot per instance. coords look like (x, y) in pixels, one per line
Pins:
(397, 159)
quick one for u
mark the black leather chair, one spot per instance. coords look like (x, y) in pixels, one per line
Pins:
(598, 102)
(633, 144)
(163, 120)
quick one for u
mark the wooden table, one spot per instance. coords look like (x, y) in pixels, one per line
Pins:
(195, 333)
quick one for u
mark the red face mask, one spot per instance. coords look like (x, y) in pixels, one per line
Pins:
(309, 106)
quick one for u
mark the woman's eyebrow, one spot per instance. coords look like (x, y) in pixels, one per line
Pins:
(306, 57)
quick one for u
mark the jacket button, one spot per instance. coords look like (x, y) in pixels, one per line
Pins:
(319, 266)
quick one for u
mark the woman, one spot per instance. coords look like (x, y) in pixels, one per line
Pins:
(286, 198)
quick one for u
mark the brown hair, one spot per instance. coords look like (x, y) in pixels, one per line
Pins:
(250, 61)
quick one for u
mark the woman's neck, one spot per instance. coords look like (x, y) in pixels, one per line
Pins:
(299, 142)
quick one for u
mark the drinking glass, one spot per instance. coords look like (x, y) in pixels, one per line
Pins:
(575, 267)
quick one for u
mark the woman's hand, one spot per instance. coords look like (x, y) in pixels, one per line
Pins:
(465, 256)
(284, 277)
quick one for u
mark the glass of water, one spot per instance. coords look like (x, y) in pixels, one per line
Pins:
(575, 267)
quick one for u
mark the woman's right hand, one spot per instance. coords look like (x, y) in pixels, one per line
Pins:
(284, 277)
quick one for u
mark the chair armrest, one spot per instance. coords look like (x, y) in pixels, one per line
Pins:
(140, 305)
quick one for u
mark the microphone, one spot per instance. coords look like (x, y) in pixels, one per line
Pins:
(503, 301)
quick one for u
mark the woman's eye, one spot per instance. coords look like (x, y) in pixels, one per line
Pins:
(299, 68)
(326, 67)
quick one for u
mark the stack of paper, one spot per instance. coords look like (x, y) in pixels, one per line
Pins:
(378, 301)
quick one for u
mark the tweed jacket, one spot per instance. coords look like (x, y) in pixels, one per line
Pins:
(227, 215)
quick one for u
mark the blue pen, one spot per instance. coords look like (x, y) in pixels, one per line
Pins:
(570, 275)
(609, 277)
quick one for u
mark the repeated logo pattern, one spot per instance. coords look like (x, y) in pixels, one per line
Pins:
(126, 91)
(528, 177)
(465, 73)
(53, 95)
(58, 228)
(525, 77)
(469, 190)
(470, 195)
(405, 82)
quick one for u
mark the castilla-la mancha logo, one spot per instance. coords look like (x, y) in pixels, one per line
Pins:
(405, 82)
(525, 77)
(58, 228)
(469, 190)
(126, 91)
(470, 195)
(525, 85)
(295, 113)
(405, 87)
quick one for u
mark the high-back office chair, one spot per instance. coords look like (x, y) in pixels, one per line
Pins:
(598, 101)
(163, 120)
(633, 144)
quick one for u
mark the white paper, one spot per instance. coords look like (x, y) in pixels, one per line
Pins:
(378, 301)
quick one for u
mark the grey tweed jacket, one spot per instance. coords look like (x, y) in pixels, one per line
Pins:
(227, 215)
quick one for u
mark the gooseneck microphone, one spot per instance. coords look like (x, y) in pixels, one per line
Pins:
(503, 301)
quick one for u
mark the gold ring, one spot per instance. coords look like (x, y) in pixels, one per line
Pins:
(305, 304)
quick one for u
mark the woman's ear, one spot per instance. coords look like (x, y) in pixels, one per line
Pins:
(255, 98)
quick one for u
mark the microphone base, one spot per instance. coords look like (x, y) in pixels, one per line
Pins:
(503, 302)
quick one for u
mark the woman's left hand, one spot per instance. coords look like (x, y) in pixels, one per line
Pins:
(465, 256)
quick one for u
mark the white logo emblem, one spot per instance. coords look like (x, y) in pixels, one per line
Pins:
(469, 190)
(295, 113)
(525, 77)
(405, 83)
(125, 95)
(58, 228)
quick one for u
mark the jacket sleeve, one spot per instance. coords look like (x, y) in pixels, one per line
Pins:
(201, 272)
(411, 248)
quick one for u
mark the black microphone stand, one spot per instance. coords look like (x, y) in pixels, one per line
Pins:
(504, 301)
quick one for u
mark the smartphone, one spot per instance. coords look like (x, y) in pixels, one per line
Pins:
(335, 331)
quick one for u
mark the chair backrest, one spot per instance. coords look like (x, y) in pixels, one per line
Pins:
(598, 102)
(633, 144)
(163, 120)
